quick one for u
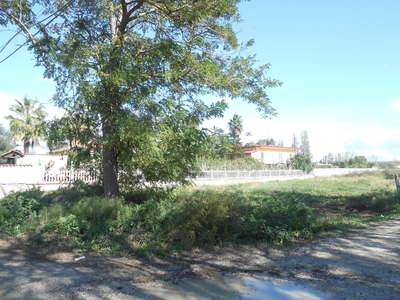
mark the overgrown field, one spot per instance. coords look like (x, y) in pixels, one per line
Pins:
(159, 222)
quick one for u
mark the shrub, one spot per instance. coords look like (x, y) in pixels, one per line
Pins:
(302, 162)
(17, 210)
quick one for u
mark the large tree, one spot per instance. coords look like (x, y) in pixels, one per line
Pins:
(27, 122)
(140, 68)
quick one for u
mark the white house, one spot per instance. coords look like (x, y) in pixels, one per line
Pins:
(271, 154)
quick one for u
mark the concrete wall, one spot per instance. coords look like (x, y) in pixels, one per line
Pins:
(339, 171)
(315, 173)
(20, 174)
(8, 188)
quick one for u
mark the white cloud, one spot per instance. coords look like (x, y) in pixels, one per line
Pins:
(396, 105)
(54, 112)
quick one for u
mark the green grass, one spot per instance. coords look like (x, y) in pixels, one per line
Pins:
(159, 222)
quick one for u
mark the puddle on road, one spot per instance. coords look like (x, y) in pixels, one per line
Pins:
(231, 288)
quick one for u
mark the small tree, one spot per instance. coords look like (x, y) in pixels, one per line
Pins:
(358, 162)
(295, 142)
(267, 142)
(305, 144)
(302, 162)
(28, 122)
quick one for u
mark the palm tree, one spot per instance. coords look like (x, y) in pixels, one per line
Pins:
(235, 127)
(27, 123)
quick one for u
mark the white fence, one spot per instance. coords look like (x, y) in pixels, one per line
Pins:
(17, 174)
(15, 178)
(70, 176)
(224, 177)
(20, 178)
(252, 174)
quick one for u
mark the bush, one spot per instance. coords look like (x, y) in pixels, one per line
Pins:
(302, 162)
(17, 211)
(155, 222)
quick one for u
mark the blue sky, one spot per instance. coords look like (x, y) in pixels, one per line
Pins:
(338, 61)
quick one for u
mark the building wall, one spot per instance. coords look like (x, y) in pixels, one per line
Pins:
(273, 156)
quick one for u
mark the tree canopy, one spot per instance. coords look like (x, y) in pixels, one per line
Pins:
(139, 69)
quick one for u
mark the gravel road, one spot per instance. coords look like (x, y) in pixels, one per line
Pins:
(362, 264)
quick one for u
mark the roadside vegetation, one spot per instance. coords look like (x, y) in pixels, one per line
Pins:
(158, 222)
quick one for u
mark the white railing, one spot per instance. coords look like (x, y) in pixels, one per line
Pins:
(69, 176)
(250, 174)
(36, 175)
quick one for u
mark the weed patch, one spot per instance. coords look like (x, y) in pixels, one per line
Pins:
(165, 221)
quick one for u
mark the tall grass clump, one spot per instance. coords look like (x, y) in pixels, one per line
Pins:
(87, 223)
(18, 211)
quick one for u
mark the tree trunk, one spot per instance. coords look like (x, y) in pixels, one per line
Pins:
(110, 164)
(27, 145)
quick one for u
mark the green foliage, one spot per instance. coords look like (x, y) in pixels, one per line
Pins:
(302, 162)
(157, 222)
(354, 162)
(269, 141)
(17, 211)
(219, 145)
(351, 160)
(138, 70)
(27, 122)
(6, 140)
(235, 128)
(234, 163)
(358, 162)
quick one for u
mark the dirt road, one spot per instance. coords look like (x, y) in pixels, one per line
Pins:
(364, 264)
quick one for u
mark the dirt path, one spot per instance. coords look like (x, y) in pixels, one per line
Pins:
(364, 264)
